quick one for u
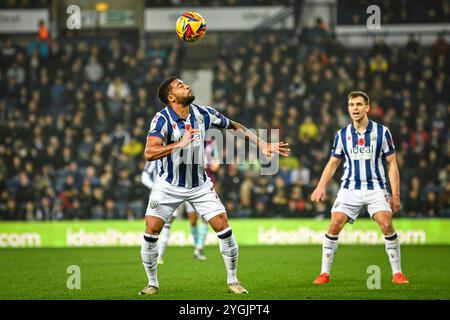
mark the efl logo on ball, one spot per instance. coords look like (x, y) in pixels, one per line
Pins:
(191, 26)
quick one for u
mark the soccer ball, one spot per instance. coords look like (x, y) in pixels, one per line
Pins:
(191, 26)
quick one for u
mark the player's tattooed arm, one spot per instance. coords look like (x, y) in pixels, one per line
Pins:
(268, 149)
(154, 148)
(394, 179)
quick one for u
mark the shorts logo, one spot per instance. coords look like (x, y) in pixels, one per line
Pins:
(153, 204)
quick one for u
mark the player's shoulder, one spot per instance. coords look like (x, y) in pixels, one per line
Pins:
(343, 130)
(201, 107)
(161, 114)
(381, 126)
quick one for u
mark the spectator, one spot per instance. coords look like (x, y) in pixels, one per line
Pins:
(43, 31)
(93, 70)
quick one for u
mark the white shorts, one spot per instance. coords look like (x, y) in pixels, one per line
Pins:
(188, 208)
(352, 202)
(165, 198)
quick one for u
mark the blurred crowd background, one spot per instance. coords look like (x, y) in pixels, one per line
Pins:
(74, 115)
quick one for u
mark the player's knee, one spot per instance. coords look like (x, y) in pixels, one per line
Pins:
(149, 229)
(335, 227)
(387, 227)
(219, 222)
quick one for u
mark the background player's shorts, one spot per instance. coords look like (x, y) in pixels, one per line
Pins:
(188, 207)
(165, 198)
(352, 202)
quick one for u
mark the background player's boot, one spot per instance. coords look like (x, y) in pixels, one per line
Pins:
(160, 260)
(322, 278)
(199, 255)
(236, 288)
(148, 290)
(399, 278)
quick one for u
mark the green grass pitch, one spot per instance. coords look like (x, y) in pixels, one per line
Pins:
(269, 273)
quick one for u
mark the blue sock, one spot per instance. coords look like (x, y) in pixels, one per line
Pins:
(202, 232)
(194, 234)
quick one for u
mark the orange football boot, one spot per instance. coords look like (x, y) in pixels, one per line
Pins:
(322, 278)
(399, 278)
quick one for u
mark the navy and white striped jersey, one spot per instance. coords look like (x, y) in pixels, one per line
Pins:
(365, 153)
(148, 176)
(186, 167)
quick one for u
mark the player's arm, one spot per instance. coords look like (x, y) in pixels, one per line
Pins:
(388, 150)
(327, 174)
(268, 149)
(154, 148)
(394, 179)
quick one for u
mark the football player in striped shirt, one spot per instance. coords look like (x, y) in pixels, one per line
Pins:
(177, 138)
(367, 147)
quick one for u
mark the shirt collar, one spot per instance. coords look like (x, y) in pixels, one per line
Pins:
(368, 129)
(175, 116)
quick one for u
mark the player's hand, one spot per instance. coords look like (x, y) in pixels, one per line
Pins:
(269, 149)
(395, 204)
(189, 137)
(318, 194)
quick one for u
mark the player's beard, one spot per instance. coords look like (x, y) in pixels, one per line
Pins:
(186, 100)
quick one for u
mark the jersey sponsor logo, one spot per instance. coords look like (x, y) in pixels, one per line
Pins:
(359, 152)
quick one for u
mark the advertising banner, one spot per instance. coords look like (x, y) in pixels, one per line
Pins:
(64, 234)
(217, 18)
(22, 20)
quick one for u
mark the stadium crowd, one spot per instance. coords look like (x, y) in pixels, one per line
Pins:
(74, 117)
(300, 87)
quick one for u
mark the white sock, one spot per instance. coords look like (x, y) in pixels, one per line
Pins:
(329, 248)
(393, 252)
(163, 240)
(229, 249)
(149, 255)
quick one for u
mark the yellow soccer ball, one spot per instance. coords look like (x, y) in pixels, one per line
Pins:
(191, 26)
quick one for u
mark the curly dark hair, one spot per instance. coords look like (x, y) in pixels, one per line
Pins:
(164, 89)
